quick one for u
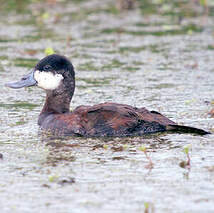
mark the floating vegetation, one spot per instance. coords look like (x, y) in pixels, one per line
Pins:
(88, 66)
(175, 8)
(96, 81)
(132, 49)
(12, 5)
(210, 47)
(53, 178)
(153, 48)
(183, 30)
(49, 51)
(114, 64)
(29, 21)
(19, 104)
(3, 57)
(142, 24)
(21, 122)
(105, 146)
(82, 55)
(6, 40)
(164, 86)
(25, 62)
(131, 69)
(18, 123)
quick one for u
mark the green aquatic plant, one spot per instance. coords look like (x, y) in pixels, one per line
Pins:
(148, 207)
(131, 69)
(96, 81)
(105, 146)
(186, 29)
(177, 9)
(6, 40)
(210, 47)
(113, 64)
(53, 178)
(131, 49)
(15, 5)
(49, 51)
(186, 164)
(25, 62)
(21, 122)
(88, 66)
(150, 165)
(19, 104)
(125, 146)
(3, 57)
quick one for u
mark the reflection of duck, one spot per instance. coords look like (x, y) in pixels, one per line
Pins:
(55, 74)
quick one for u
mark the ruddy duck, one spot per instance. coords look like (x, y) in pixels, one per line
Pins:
(55, 74)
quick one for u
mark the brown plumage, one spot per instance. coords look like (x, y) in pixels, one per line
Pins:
(106, 119)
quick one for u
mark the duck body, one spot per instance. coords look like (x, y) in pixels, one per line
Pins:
(55, 74)
(106, 119)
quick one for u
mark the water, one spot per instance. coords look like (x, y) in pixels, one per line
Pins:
(126, 57)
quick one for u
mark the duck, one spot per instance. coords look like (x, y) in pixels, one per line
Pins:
(55, 74)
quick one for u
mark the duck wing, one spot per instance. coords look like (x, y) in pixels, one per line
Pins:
(112, 119)
(169, 124)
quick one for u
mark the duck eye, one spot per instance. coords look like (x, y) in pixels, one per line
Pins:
(47, 67)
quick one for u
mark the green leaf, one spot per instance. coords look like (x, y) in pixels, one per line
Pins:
(49, 51)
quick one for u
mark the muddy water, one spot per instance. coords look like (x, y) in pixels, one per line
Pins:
(128, 57)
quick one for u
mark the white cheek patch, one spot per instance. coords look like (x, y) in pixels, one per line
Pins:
(47, 80)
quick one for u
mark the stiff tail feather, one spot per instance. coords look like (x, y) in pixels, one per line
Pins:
(186, 129)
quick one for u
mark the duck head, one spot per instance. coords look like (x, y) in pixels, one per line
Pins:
(49, 74)
(55, 74)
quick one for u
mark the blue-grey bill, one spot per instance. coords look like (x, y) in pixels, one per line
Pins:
(26, 81)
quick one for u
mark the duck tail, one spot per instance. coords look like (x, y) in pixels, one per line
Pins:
(186, 129)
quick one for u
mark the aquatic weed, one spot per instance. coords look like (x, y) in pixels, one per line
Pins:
(148, 207)
(49, 51)
(19, 104)
(186, 164)
(150, 165)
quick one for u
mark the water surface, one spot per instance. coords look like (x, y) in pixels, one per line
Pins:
(131, 57)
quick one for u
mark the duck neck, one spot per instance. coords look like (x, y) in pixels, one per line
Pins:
(58, 101)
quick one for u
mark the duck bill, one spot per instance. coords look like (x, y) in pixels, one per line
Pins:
(26, 81)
